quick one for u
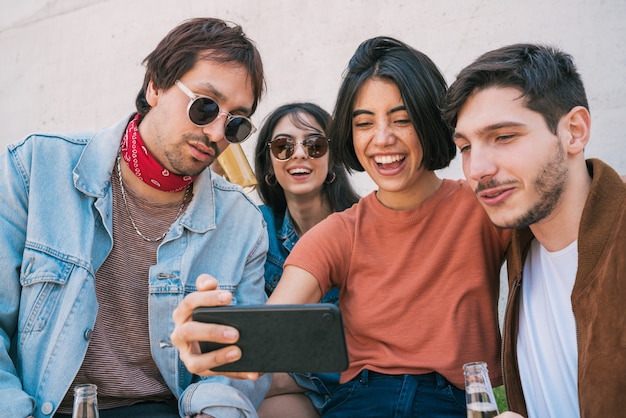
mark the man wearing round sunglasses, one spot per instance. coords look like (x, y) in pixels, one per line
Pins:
(203, 110)
(103, 234)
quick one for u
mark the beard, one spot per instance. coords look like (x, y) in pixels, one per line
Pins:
(184, 166)
(549, 185)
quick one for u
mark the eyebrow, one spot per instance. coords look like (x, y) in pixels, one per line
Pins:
(490, 128)
(281, 134)
(358, 112)
(214, 93)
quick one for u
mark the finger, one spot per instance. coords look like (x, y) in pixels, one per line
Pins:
(202, 364)
(193, 331)
(186, 336)
(194, 300)
(206, 282)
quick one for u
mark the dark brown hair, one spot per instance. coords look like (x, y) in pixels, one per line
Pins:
(545, 76)
(339, 192)
(200, 39)
(421, 85)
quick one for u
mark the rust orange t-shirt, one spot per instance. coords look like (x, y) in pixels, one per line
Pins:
(419, 287)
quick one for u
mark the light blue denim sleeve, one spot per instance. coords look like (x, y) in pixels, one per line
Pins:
(227, 398)
(13, 212)
(219, 396)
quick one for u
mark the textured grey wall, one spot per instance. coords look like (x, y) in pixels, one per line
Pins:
(76, 64)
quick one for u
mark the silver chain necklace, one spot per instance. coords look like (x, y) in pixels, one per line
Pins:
(132, 221)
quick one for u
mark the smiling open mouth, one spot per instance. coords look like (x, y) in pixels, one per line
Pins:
(299, 171)
(389, 161)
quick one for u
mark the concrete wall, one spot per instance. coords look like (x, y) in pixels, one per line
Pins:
(76, 64)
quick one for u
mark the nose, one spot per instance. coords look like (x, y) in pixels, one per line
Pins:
(384, 135)
(479, 163)
(299, 151)
(216, 130)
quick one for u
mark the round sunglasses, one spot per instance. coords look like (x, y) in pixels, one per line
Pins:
(203, 110)
(283, 147)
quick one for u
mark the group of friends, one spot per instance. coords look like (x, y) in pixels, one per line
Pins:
(111, 240)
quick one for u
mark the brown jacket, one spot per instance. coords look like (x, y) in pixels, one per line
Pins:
(598, 301)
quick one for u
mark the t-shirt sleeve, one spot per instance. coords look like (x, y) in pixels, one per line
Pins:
(324, 251)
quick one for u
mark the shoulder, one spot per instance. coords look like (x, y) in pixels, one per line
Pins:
(267, 212)
(48, 150)
(269, 218)
(454, 196)
(337, 225)
(63, 144)
(470, 212)
(35, 141)
(460, 188)
(231, 200)
(350, 214)
(604, 176)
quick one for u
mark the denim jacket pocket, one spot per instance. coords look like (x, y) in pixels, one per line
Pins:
(42, 279)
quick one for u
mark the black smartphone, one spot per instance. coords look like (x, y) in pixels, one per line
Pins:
(281, 338)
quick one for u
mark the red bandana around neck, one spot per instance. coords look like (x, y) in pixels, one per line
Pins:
(145, 166)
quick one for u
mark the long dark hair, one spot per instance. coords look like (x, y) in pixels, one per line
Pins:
(339, 192)
(200, 39)
(421, 85)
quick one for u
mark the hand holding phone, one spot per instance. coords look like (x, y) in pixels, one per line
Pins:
(281, 338)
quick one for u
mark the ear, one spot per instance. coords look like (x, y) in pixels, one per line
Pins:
(577, 126)
(152, 94)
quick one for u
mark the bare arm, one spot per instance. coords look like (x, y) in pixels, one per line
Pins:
(296, 285)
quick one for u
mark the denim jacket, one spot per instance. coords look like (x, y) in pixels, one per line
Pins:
(56, 231)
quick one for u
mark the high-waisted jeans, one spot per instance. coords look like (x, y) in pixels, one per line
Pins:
(378, 395)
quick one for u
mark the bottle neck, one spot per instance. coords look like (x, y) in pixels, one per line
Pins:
(85, 401)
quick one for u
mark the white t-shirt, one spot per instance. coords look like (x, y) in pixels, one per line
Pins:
(546, 345)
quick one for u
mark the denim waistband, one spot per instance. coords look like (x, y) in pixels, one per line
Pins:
(432, 378)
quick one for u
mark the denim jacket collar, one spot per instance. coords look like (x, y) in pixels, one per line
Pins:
(92, 176)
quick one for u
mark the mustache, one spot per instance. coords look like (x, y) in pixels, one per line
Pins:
(202, 140)
(491, 184)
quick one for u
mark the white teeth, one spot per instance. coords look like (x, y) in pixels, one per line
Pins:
(387, 159)
(299, 171)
